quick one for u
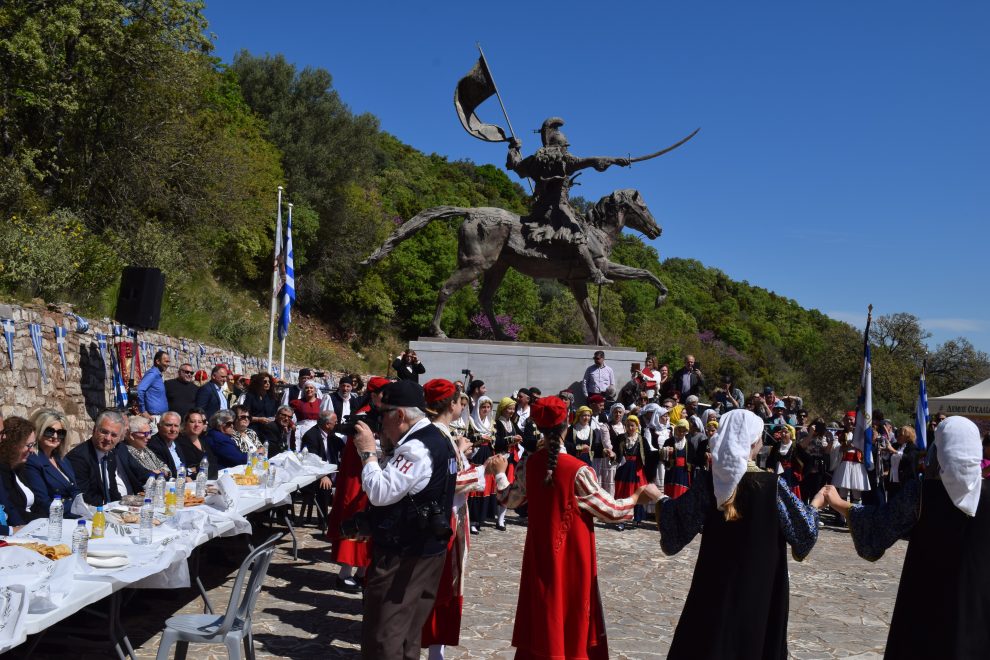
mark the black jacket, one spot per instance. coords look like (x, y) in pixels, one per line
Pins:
(160, 449)
(192, 456)
(697, 382)
(13, 500)
(408, 371)
(181, 396)
(313, 440)
(278, 439)
(82, 457)
(208, 399)
(133, 473)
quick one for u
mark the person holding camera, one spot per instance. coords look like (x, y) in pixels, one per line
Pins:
(408, 367)
(409, 521)
(559, 612)
(353, 554)
(688, 379)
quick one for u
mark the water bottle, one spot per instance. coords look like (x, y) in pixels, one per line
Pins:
(80, 539)
(159, 498)
(204, 466)
(270, 482)
(147, 522)
(55, 520)
(305, 452)
(201, 483)
(180, 487)
(266, 448)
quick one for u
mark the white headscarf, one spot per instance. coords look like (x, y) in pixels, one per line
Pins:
(483, 426)
(738, 431)
(959, 455)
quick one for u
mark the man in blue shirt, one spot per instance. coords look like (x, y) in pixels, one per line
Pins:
(152, 400)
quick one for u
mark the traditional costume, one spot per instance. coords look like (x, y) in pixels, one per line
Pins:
(850, 475)
(738, 602)
(782, 463)
(604, 465)
(678, 476)
(443, 627)
(943, 604)
(559, 611)
(480, 502)
(580, 437)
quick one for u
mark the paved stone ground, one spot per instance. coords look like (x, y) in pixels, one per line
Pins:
(840, 604)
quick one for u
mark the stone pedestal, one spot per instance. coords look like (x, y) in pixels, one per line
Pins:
(506, 366)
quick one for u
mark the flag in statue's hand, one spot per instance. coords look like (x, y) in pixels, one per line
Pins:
(472, 90)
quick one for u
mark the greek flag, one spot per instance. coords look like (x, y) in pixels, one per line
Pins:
(36, 340)
(288, 293)
(8, 336)
(60, 342)
(101, 341)
(921, 411)
(119, 384)
(863, 433)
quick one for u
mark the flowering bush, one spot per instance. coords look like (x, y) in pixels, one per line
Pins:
(482, 329)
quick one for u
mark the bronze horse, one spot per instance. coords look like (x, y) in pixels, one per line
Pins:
(491, 240)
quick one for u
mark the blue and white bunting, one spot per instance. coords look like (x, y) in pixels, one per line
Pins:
(8, 337)
(60, 342)
(35, 330)
(82, 325)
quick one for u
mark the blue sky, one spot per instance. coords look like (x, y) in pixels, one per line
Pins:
(843, 153)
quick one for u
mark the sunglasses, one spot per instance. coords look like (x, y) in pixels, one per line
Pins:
(31, 445)
(141, 434)
(51, 433)
(185, 372)
(244, 417)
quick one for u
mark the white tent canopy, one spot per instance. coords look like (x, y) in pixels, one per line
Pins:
(973, 402)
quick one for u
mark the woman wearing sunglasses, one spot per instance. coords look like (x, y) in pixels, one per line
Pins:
(47, 472)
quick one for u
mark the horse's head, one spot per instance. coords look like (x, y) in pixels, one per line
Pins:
(624, 208)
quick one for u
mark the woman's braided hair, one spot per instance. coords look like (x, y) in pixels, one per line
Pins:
(552, 440)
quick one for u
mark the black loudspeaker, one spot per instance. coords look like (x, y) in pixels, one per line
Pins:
(139, 303)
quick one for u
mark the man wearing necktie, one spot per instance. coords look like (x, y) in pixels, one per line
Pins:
(210, 396)
(94, 463)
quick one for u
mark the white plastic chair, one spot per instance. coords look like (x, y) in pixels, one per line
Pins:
(234, 627)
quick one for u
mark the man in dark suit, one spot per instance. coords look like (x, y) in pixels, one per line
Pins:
(279, 434)
(162, 444)
(322, 441)
(94, 461)
(210, 397)
(688, 379)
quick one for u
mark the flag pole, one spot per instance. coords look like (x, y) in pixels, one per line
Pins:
(278, 248)
(512, 133)
(281, 361)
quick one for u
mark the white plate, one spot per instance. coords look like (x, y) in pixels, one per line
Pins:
(107, 562)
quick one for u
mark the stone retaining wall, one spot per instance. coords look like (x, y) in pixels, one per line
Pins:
(85, 387)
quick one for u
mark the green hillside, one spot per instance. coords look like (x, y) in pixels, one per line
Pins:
(123, 141)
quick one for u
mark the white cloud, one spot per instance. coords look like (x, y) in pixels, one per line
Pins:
(955, 325)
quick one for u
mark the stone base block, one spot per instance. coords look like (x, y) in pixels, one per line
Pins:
(507, 366)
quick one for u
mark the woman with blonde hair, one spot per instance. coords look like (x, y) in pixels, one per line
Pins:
(749, 516)
(47, 472)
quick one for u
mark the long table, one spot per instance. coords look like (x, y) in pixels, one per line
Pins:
(167, 567)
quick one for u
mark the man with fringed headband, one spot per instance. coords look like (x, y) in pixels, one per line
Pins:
(559, 613)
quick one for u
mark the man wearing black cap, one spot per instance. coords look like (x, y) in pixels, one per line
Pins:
(341, 399)
(411, 499)
(294, 392)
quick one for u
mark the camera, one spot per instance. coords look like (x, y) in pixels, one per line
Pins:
(466, 372)
(432, 519)
(372, 418)
(357, 526)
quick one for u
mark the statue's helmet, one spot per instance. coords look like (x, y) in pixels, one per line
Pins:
(551, 134)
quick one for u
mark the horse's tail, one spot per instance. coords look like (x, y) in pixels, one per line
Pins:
(410, 227)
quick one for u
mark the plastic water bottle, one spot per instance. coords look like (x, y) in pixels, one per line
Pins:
(270, 480)
(147, 522)
(99, 524)
(201, 483)
(159, 499)
(204, 466)
(80, 539)
(266, 448)
(180, 487)
(55, 514)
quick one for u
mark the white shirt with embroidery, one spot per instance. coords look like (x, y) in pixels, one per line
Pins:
(406, 473)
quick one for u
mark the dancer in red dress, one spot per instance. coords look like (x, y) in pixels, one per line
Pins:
(349, 499)
(559, 612)
(443, 627)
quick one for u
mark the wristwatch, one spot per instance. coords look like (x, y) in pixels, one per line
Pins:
(365, 455)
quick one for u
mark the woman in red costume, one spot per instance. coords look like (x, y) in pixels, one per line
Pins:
(349, 499)
(559, 614)
(443, 627)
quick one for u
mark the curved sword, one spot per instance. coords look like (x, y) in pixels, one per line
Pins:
(663, 151)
